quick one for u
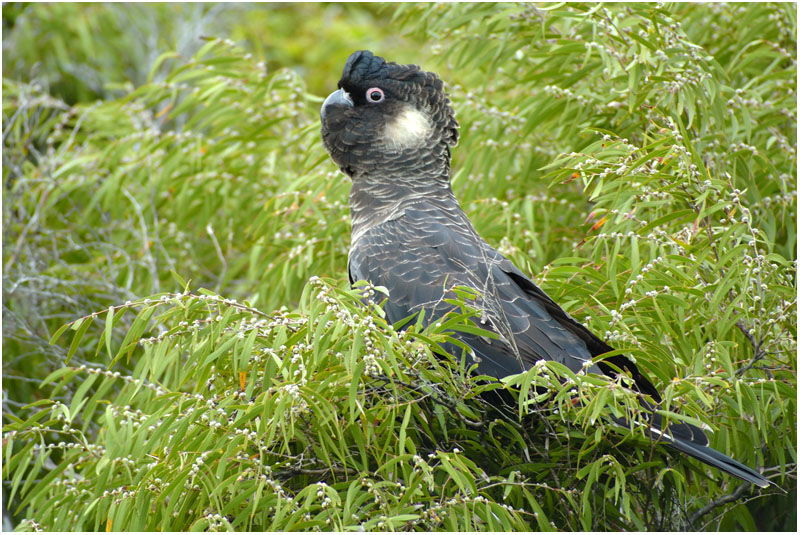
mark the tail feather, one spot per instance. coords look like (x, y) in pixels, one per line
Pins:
(692, 441)
(712, 457)
(684, 437)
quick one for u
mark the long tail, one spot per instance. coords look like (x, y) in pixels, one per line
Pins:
(686, 438)
(692, 441)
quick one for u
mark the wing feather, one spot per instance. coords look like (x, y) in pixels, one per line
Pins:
(419, 264)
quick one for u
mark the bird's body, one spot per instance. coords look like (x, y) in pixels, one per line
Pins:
(390, 128)
(430, 248)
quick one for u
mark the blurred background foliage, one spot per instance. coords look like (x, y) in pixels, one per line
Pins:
(638, 160)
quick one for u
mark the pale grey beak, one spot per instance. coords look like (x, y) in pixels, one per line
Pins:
(338, 97)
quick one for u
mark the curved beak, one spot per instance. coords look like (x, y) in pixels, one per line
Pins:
(337, 98)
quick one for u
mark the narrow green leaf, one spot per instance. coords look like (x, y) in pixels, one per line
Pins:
(81, 326)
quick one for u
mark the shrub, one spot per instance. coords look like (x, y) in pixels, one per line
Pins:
(639, 160)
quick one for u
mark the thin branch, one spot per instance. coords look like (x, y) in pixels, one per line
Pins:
(722, 500)
(758, 352)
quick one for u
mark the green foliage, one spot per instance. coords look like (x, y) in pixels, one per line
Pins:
(639, 160)
(325, 418)
(227, 431)
(83, 52)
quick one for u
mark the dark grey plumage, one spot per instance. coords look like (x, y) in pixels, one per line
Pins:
(390, 128)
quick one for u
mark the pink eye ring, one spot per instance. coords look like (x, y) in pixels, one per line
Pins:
(374, 94)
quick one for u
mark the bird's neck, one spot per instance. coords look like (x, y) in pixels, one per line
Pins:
(380, 197)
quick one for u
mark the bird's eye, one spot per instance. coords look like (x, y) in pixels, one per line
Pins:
(374, 94)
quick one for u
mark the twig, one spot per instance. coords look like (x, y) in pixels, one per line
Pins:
(33, 221)
(785, 468)
(436, 397)
(722, 500)
(758, 352)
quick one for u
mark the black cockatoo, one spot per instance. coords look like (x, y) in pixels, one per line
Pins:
(390, 128)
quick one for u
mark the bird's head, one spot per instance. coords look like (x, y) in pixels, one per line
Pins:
(386, 117)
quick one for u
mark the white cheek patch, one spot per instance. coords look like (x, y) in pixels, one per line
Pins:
(409, 129)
